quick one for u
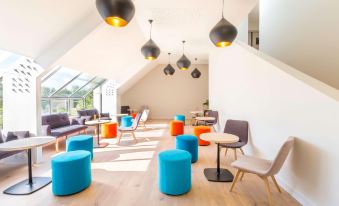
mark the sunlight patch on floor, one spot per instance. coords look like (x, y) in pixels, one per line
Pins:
(136, 156)
(123, 166)
(138, 146)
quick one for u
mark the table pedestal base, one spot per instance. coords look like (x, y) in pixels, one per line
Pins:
(24, 188)
(212, 175)
(101, 145)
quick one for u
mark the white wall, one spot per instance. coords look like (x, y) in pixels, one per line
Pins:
(168, 95)
(19, 97)
(279, 102)
(109, 97)
(303, 34)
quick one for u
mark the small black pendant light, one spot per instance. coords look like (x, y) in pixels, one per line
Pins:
(169, 70)
(183, 63)
(196, 73)
(150, 50)
(117, 13)
(223, 33)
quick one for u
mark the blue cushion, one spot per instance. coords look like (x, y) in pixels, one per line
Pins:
(174, 172)
(80, 142)
(71, 172)
(188, 143)
(180, 117)
(126, 121)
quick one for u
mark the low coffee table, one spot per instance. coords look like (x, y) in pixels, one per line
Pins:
(218, 174)
(97, 123)
(31, 184)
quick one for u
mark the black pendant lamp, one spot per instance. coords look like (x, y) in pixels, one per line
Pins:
(196, 73)
(117, 13)
(223, 33)
(183, 63)
(150, 50)
(169, 70)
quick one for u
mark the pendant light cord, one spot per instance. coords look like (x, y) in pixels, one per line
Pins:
(183, 47)
(222, 12)
(169, 58)
(150, 32)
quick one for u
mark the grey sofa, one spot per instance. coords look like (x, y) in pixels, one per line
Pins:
(9, 137)
(88, 114)
(59, 125)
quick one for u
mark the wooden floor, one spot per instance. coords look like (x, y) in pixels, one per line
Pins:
(127, 175)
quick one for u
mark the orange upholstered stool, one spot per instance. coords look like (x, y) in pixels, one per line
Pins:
(109, 130)
(176, 127)
(134, 115)
(198, 130)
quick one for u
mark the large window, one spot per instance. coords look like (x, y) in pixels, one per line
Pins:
(59, 106)
(55, 81)
(67, 91)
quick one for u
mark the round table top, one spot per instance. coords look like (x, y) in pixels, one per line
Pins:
(26, 143)
(219, 137)
(196, 112)
(96, 122)
(119, 115)
(205, 118)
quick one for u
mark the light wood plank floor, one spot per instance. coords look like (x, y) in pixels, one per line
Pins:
(127, 175)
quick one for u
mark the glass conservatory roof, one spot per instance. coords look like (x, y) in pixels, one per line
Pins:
(68, 83)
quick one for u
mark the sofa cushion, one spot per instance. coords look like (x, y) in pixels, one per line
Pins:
(16, 135)
(63, 131)
(4, 154)
(88, 112)
(56, 120)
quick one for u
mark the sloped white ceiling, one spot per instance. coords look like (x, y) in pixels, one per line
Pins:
(29, 27)
(35, 27)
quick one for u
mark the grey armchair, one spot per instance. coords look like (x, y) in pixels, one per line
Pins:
(213, 123)
(263, 168)
(240, 129)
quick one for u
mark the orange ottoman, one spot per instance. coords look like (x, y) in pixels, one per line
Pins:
(198, 130)
(134, 115)
(176, 127)
(109, 130)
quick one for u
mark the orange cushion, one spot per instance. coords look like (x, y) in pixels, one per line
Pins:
(176, 127)
(109, 130)
(198, 130)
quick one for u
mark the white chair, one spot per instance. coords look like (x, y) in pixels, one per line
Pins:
(131, 129)
(144, 117)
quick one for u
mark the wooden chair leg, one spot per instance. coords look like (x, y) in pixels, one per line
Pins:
(235, 180)
(134, 136)
(57, 145)
(276, 183)
(226, 151)
(242, 151)
(268, 190)
(242, 176)
(235, 154)
(119, 137)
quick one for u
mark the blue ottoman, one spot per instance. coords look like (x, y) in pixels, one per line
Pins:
(180, 117)
(71, 172)
(174, 172)
(188, 143)
(80, 142)
(126, 121)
